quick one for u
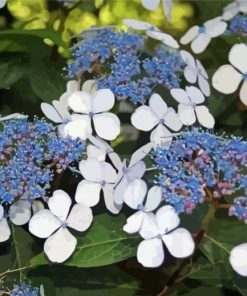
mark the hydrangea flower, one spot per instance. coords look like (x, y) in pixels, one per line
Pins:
(238, 25)
(228, 77)
(53, 225)
(162, 228)
(238, 259)
(200, 37)
(25, 289)
(239, 208)
(106, 124)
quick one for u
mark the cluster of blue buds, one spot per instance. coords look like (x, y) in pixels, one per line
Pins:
(29, 153)
(122, 62)
(24, 289)
(199, 164)
(239, 208)
(238, 25)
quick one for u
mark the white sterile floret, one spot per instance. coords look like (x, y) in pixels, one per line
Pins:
(4, 227)
(188, 109)
(228, 77)
(162, 228)
(201, 36)
(238, 259)
(157, 115)
(93, 107)
(153, 5)
(135, 169)
(195, 72)
(53, 225)
(20, 211)
(98, 175)
(134, 196)
(152, 32)
(234, 8)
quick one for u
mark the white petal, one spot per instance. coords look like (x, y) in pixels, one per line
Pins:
(201, 69)
(158, 105)
(89, 86)
(149, 228)
(172, 120)
(62, 110)
(150, 253)
(167, 219)
(103, 145)
(237, 57)
(230, 11)
(119, 191)
(190, 74)
(188, 58)
(204, 85)
(154, 198)
(164, 38)
(88, 193)
(60, 246)
(226, 79)
(243, 93)
(204, 117)
(135, 193)
(20, 212)
(44, 223)
(51, 113)
(107, 125)
(150, 4)
(80, 127)
(91, 169)
(238, 259)
(179, 243)
(242, 6)
(186, 114)
(215, 28)
(80, 217)
(102, 100)
(190, 35)
(80, 102)
(136, 171)
(140, 153)
(1, 211)
(109, 174)
(136, 24)
(59, 204)
(161, 135)
(134, 223)
(180, 95)
(200, 43)
(95, 152)
(116, 160)
(108, 191)
(195, 94)
(4, 230)
(151, 120)
(2, 3)
(37, 205)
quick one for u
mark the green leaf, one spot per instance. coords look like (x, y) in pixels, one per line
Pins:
(205, 291)
(105, 243)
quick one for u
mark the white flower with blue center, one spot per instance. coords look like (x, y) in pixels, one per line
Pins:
(162, 228)
(228, 77)
(92, 108)
(201, 36)
(98, 176)
(238, 259)
(157, 116)
(4, 227)
(53, 225)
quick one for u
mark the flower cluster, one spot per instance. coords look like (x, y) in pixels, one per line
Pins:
(239, 208)
(238, 25)
(118, 61)
(28, 152)
(24, 289)
(197, 163)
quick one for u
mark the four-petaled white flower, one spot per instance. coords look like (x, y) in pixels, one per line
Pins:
(188, 110)
(98, 175)
(153, 5)
(134, 197)
(4, 227)
(228, 77)
(201, 36)
(234, 8)
(162, 228)
(145, 118)
(53, 225)
(194, 71)
(152, 32)
(20, 211)
(238, 259)
(93, 107)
